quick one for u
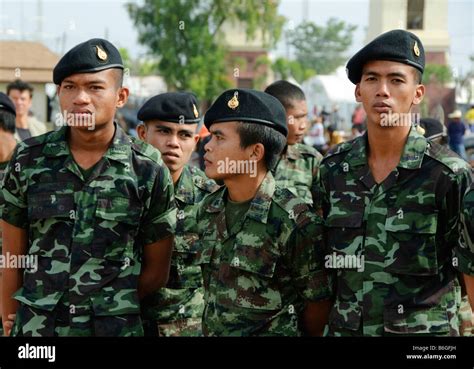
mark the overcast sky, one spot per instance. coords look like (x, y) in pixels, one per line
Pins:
(69, 22)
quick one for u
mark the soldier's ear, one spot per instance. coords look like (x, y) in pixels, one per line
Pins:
(419, 93)
(258, 152)
(357, 93)
(141, 132)
(123, 94)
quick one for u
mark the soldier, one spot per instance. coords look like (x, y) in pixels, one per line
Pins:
(298, 167)
(259, 244)
(7, 145)
(391, 202)
(171, 125)
(93, 208)
(467, 305)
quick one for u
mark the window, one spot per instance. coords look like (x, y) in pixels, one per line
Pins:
(415, 10)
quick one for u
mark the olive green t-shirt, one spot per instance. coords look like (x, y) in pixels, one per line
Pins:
(234, 212)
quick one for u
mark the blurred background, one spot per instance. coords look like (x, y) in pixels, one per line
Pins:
(208, 46)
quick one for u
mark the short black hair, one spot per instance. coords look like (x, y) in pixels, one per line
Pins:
(7, 121)
(418, 76)
(273, 141)
(118, 77)
(285, 92)
(21, 86)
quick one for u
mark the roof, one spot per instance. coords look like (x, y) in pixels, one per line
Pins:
(34, 60)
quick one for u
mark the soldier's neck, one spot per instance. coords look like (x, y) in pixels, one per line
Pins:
(386, 143)
(175, 175)
(7, 146)
(97, 140)
(244, 187)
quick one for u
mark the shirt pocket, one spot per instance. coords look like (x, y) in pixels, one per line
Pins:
(51, 217)
(411, 237)
(252, 274)
(343, 224)
(184, 272)
(116, 228)
(418, 320)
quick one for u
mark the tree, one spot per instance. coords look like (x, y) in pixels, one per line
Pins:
(285, 69)
(184, 36)
(437, 73)
(320, 49)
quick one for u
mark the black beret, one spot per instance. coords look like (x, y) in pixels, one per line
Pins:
(7, 104)
(245, 105)
(91, 56)
(433, 128)
(397, 45)
(176, 107)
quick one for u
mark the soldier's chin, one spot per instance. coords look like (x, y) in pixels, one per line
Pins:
(212, 173)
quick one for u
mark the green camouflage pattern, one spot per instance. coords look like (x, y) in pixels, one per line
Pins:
(466, 315)
(407, 230)
(87, 236)
(258, 276)
(467, 217)
(298, 171)
(177, 309)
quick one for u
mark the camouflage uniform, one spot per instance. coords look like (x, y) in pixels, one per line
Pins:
(406, 228)
(178, 308)
(87, 235)
(257, 277)
(466, 315)
(298, 171)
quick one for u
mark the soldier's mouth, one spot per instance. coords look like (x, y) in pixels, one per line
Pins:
(170, 154)
(381, 107)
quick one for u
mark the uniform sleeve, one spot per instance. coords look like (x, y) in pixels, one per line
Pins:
(15, 209)
(159, 220)
(315, 191)
(463, 251)
(307, 259)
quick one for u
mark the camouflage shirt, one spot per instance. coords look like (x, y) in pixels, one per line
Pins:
(405, 233)
(257, 278)
(468, 226)
(87, 236)
(298, 171)
(183, 297)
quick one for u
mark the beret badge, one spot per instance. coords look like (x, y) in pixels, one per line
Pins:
(101, 54)
(416, 49)
(234, 102)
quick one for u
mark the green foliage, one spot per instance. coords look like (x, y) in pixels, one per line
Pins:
(437, 73)
(320, 49)
(183, 36)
